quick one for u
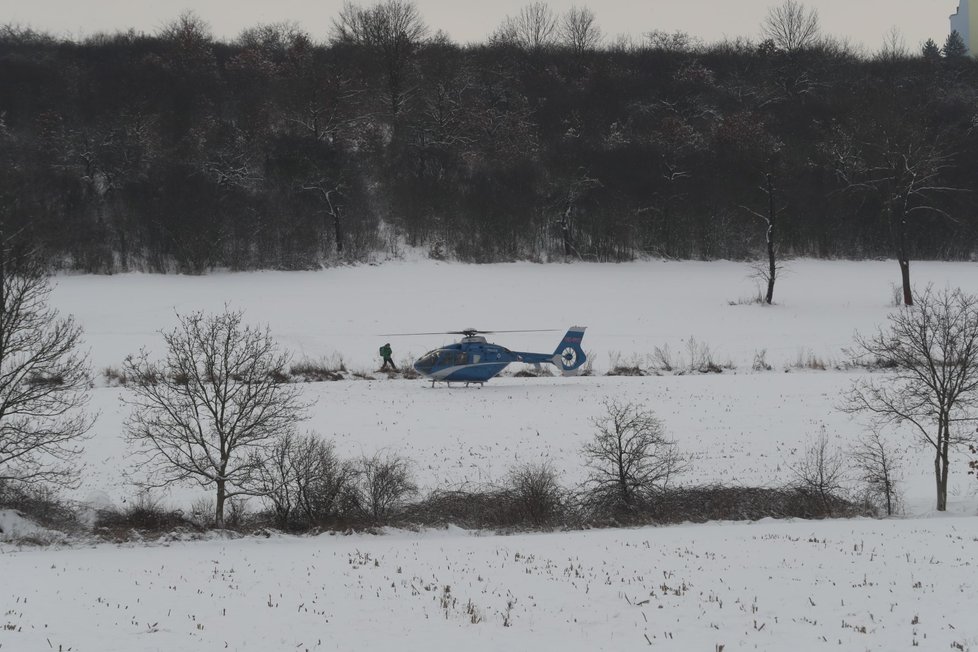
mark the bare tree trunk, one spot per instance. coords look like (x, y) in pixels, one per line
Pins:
(905, 277)
(623, 482)
(338, 230)
(219, 511)
(772, 262)
(903, 257)
(565, 232)
(942, 468)
(889, 496)
(3, 290)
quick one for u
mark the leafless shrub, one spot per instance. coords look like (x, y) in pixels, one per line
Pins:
(407, 371)
(896, 295)
(534, 372)
(536, 495)
(144, 513)
(625, 370)
(756, 298)
(464, 507)
(202, 512)
(717, 502)
(698, 359)
(588, 368)
(629, 460)
(42, 504)
(760, 361)
(808, 360)
(316, 371)
(619, 367)
(878, 466)
(236, 512)
(701, 358)
(114, 377)
(662, 359)
(820, 471)
(303, 479)
(378, 487)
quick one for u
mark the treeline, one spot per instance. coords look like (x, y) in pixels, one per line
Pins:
(180, 152)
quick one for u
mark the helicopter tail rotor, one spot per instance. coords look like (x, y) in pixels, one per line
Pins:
(569, 357)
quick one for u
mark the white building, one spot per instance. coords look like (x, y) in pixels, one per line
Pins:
(965, 22)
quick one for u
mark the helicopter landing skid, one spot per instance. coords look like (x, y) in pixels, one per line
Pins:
(448, 383)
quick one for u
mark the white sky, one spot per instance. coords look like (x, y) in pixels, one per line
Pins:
(864, 22)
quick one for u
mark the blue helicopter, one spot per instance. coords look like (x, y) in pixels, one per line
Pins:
(475, 360)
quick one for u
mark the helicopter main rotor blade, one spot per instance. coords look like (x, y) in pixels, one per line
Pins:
(412, 334)
(472, 331)
(527, 330)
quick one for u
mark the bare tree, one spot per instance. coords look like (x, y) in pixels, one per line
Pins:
(393, 30)
(577, 189)
(820, 471)
(904, 173)
(329, 191)
(274, 39)
(533, 29)
(877, 464)
(932, 352)
(44, 379)
(579, 30)
(770, 273)
(791, 27)
(215, 399)
(189, 33)
(894, 46)
(630, 458)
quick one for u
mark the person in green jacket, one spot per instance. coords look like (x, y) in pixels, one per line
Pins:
(385, 353)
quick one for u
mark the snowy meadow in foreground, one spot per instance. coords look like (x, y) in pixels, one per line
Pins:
(857, 585)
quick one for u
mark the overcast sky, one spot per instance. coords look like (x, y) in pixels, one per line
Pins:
(864, 22)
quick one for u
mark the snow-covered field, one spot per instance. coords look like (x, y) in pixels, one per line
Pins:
(862, 585)
(851, 585)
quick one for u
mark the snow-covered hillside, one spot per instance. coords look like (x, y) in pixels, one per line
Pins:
(852, 585)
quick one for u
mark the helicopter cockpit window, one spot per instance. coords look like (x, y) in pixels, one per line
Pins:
(427, 361)
(449, 358)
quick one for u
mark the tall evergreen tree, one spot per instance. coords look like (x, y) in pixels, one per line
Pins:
(930, 51)
(954, 47)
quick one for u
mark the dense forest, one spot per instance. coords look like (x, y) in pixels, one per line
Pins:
(176, 151)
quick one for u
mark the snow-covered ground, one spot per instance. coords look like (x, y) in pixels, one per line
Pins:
(851, 585)
(834, 585)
